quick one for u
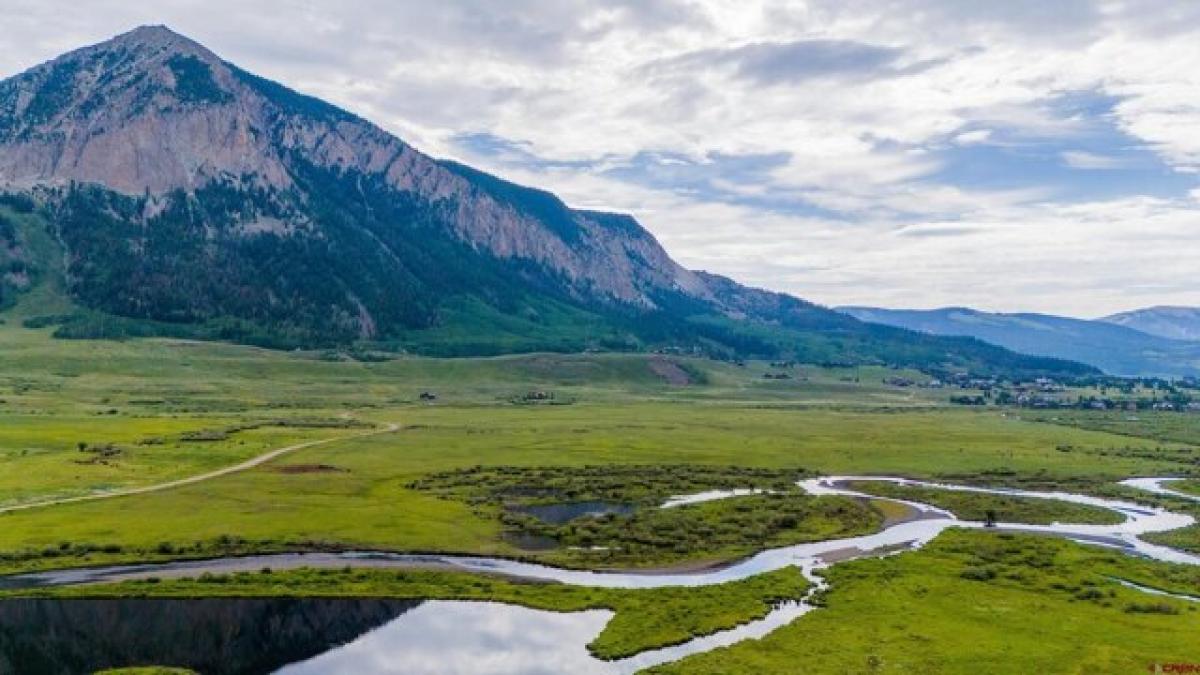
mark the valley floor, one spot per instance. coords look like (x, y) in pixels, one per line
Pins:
(481, 444)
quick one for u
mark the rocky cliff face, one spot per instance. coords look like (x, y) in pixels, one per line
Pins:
(151, 112)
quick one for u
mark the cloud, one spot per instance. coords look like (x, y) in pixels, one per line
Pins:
(849, 151)
(1078, 159)
(771, 63)
(935, 230)
(973, 137)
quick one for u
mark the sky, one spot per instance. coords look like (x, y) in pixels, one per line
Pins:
(1026, 155)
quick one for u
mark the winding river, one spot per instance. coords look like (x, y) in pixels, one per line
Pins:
(452, 636)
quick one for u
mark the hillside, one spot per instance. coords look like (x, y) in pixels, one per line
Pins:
(1175, 323)
(189, 197)
(1115, 349)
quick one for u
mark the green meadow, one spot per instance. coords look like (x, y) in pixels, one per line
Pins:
(80, 418)
(360, 493)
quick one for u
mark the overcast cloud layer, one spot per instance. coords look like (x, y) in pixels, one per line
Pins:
(1018, 155)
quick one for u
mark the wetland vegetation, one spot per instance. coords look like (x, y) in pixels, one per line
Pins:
(984, 507)
(975, 601)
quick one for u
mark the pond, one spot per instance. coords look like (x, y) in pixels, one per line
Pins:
(564, 512)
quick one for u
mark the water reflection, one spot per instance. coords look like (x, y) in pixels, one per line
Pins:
(211, 636)
(453, 638)
(464, 638)
(325, 637)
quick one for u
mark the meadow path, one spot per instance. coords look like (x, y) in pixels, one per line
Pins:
(191, 480)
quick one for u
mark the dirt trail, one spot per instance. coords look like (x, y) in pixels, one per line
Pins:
(190, 480)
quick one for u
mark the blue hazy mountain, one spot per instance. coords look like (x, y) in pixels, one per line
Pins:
(1115, 349)
(1176, 323)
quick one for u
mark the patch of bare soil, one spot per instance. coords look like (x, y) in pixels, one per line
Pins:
(853, 552)
(310, 468)
(670, 372)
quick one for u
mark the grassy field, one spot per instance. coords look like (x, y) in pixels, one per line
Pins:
(1162, 426)
(365, 498)
(61, 457)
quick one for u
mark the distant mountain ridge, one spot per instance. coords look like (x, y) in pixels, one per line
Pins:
(192, 198)
(1175, 323)
(1115, 349)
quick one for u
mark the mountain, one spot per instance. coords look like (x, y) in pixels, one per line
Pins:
(1115, 349)
(185, 196)
(1176, 323)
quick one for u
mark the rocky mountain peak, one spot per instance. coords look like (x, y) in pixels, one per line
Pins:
(156, 36)
(151, 112)
(150, 41)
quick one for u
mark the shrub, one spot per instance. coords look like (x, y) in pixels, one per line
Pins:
(978, 574)
(1151, 608)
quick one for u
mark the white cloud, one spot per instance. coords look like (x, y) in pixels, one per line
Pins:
(973, 137)
(1078, 159)
(861, 96)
